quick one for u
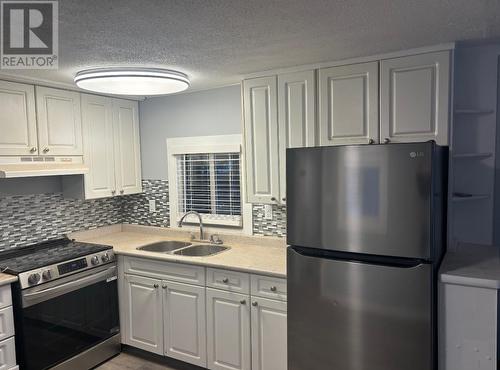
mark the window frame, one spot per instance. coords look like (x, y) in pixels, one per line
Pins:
(211, 145)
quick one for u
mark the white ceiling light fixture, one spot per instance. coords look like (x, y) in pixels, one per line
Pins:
(132, 81)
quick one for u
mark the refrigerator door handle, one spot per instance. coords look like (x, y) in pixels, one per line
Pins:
(361, 258)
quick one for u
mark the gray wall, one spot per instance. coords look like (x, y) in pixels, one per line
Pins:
(210, 112)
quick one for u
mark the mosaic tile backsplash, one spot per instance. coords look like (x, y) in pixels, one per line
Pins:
(273, 227)
(27, 219)
(136, 207)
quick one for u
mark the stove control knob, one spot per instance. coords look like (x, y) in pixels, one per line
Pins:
(47, 275)
(34, 278)
(105, 257)
(94, 260)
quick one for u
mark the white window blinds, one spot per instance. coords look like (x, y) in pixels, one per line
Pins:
(210, 185)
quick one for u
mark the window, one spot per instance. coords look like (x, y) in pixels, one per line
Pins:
(210, 184)
(205, 175)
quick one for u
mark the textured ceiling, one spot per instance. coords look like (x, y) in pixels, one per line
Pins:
(217, 41)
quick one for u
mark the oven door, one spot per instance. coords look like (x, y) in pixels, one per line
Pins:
(63, 318)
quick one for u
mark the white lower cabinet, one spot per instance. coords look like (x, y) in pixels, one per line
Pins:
(8, 354)
(269, 334)
(468, 335)
(184, 323)
(228, 329)
(143, 326)
(221, 319)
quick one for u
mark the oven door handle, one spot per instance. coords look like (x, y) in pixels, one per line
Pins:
(30, 299)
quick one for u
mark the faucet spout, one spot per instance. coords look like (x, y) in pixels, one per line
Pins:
(179, 224)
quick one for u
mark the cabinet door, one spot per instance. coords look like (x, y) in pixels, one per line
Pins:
(296, 116)
(143, 314)
(269, 335)
(97, 122)
(469, 321)
(261, 139)
(228, 330)
(184, 322)
(348, 104)
(7, 354)
(414, 98)
(127, 146)
(59, 122)
(17, 119)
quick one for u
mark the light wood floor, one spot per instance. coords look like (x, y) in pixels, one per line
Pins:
(136, 360)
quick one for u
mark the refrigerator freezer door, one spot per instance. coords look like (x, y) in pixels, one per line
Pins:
(357, 316)
(372, 199)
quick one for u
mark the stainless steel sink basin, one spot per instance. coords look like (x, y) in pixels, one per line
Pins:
(201, 250)
(164, 247)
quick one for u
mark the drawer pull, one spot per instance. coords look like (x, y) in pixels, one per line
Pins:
(225, 280)
(273, 289)
(156, 286)
(255, 304)
(243, 301)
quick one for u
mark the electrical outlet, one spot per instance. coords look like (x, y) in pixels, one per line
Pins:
(268, 212)
(152, 205)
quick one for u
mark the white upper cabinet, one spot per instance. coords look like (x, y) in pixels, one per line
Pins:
(17, 119)
(111, 149)
(184, 322)
(261, 139)
(414, 98)
(59, 122)
(296, 116)
(348, 104)
(127, 146)
(98, 142)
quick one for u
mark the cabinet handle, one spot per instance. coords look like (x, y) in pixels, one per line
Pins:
(113, 192)
(387, 140)
(371, 141)
(156, 286)
(164, 286)
(255, 304)
(33, 150)
(273, 199)
(283, 199)
(46, 150)
(243, 301)
(225, 280)
(273, 289)
(122, 191)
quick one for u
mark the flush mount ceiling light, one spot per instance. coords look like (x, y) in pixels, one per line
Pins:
(132, 81)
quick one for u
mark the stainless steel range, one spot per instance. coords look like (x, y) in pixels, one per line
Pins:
(65, 304)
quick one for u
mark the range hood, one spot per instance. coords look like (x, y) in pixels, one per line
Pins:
(14, 167)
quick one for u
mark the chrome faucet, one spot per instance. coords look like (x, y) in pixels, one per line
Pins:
(179, 224)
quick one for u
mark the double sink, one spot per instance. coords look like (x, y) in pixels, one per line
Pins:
(184, 248)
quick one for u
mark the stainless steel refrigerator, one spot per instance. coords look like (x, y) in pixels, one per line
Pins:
(366, 234)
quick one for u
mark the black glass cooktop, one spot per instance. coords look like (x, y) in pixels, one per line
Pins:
(47, 253)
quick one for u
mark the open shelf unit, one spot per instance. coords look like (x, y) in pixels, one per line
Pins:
(473, 145)
(471, 197)
(473, 156)
(474, 111)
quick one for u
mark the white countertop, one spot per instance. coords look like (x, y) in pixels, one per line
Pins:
(262, 255)
(472, 265)
(7, 279)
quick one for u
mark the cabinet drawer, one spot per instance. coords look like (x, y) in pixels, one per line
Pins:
(268, 287)
(233, 281)
(165, 270)
(6, 323)
(7, 354)
(5, 296)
